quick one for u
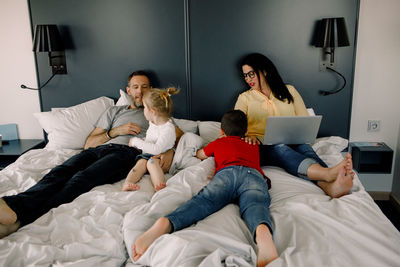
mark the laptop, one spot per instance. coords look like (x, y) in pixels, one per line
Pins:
(291, 130)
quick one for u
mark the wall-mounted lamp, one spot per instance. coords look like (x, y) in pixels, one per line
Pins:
(48, 39)
(329, 34)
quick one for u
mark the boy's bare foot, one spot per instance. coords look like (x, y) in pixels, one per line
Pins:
(160, 227)
(340, 187)
(159, 186)
(130, 186)
(6, 229)
(7, 215)
(266, 247)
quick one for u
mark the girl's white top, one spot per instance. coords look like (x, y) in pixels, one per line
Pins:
(159, 138)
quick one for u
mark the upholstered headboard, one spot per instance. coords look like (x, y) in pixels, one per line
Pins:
(195, 45)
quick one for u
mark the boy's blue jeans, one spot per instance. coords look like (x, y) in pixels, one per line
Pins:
(234, 184)
(295, 159)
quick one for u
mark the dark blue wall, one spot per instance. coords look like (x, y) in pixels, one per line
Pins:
(195, 44)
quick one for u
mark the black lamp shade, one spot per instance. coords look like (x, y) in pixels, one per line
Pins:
(47, 39)
(331, 32)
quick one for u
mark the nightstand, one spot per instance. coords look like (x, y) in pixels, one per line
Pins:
(371, 157)
(11, 150)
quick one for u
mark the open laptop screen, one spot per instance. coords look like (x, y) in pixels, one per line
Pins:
(291, 129)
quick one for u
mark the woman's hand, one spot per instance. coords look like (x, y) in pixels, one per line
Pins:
(251, 139)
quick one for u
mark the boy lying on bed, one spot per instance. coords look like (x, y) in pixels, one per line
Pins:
(238, 179)
(107, 158)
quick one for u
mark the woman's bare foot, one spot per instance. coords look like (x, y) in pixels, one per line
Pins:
(159, 186)
(130, 186)
(143, 242)
(7, 215)
(349, 165)
(266, 247)
(318, 173)
(6, 229)
(341, 186)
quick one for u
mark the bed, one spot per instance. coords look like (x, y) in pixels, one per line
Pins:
(99, 227)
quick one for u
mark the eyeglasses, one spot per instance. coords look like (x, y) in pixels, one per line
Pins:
(250, 74)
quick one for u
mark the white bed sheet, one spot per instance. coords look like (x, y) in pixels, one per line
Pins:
(99, 227)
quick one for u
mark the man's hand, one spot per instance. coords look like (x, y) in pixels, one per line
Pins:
(251, 139)
(126, 129)
(98, 136)
(165, 159)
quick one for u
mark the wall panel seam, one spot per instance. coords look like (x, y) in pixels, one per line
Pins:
(187, 59)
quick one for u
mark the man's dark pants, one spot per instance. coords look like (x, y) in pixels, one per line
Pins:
(105, 164)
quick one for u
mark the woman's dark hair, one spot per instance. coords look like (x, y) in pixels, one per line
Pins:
(259, 62)
(234, 123)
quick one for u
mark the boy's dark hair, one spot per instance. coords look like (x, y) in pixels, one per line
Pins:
(234, 123)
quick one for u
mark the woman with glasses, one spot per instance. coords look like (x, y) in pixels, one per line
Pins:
(267, 95)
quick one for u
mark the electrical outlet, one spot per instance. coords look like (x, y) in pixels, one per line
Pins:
(374, 125)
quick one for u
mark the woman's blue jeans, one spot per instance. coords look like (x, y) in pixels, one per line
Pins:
(234, 184)
(104, 164)
(295, 159)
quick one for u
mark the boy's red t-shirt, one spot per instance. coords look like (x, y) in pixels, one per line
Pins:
(232, 150)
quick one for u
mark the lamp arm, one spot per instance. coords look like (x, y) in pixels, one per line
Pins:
(30, 88)
(56, 56)
(338, 90)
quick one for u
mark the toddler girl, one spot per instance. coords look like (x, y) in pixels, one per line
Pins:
(160, 137)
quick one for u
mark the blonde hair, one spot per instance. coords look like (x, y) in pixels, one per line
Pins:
(160, 99)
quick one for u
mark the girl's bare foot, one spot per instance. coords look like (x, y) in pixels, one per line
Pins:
(340, 187)
(143, 242)
(6, 229)
(266, 247)
(159, 186)
(7, 215)
(130, 186)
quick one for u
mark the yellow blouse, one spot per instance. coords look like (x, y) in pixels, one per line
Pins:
(259, 107)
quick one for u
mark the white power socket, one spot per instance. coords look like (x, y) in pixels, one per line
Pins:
(374, 126)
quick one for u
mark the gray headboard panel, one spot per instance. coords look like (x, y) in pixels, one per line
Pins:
(195, 45)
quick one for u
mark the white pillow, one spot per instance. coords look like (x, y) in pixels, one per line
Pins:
(124, 99)
(330, 145)
(187, 125)
(69, 127)
(310, 112)
(209, 130)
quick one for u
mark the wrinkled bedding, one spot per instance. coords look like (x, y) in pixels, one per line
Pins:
(99, 227)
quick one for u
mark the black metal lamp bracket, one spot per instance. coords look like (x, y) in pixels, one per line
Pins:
(58, 62)
(327, 59)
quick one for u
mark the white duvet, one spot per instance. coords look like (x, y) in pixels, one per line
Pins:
(99, 227)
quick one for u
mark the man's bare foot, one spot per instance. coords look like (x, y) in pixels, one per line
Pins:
(6, 229)
(159, 186)
(143, 242)
(130, 186)
(266, 247)
(340, 187)
(7, 215)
